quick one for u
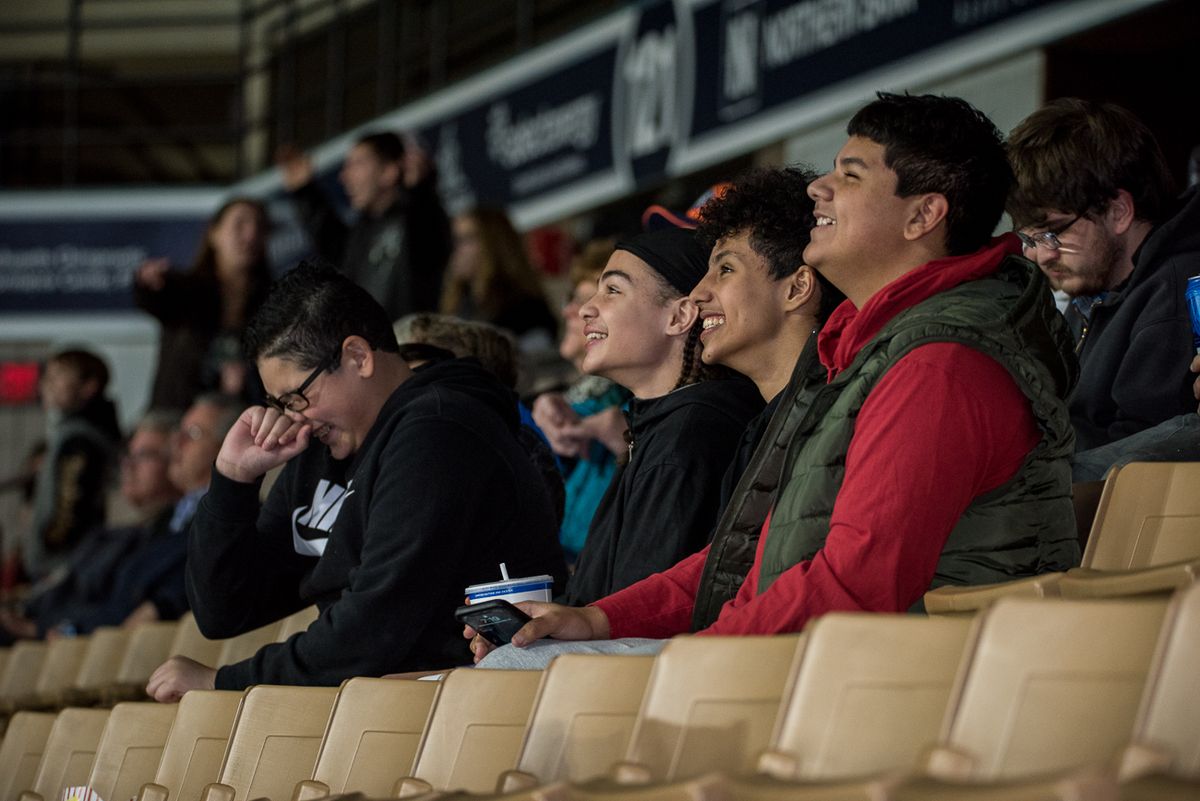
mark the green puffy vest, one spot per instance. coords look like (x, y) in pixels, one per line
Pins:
(735, 538)
(1022, 528)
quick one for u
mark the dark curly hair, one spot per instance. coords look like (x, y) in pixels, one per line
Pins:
(945, 145)
(772, 207)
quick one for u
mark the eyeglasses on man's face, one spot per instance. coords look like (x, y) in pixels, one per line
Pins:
(296, 401)
(1048, 239)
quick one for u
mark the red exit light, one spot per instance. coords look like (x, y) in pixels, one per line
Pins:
(18, 383)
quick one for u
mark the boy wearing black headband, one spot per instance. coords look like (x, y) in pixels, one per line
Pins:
(641, 333)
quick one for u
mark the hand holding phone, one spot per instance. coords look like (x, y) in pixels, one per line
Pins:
(496, 620)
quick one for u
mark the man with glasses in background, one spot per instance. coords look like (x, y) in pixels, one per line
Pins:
(399, 489)
(132, 574)
(1094, 207)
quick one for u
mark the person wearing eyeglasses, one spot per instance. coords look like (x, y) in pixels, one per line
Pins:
(127, 575)
(1094, 206)
(150, 496)
(398, 489)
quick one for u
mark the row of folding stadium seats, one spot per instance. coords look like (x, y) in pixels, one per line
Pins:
(1144, 540)
(113, 664)
(1031, 699)
(1147, 514)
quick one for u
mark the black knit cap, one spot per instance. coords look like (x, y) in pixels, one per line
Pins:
(673, 253)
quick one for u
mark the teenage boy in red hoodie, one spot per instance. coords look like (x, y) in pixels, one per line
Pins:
(936, 450)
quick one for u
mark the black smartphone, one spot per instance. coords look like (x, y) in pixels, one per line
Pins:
(496, 621)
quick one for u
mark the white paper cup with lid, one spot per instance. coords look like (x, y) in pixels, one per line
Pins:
(532, 588)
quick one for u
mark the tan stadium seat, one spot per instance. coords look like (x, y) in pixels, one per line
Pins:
(869, 693)
(475, 731)
(21, 672)
(58, 671)
(101, 661)
(296, 623)
(4, 653)
(21, 751)
(582, 719)
(191, 643)
(70, 751)
(274, 744)
(711, 705)
(372, 738)
(1045, 687)
(1051, 687)
(130, 748)
(1157, 580)
(1148, 515)
(1163, 761)
(149, 647)
(246, 645)
(191, 757)
(1146, 539)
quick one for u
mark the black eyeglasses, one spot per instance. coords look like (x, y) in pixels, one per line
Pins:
(1047, 239)
(295, 401)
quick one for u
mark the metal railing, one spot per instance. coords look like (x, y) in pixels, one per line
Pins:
(177, 91)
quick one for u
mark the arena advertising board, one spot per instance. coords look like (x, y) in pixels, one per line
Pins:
(656, 89)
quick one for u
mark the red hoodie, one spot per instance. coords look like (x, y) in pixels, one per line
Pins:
(944, 425)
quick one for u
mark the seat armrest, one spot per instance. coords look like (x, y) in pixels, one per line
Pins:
(778, 765)
(511, 781)
(947, 764)
(410, 786)
(1139, 759)
(308, 790)
(631, 773)
(968, 600)
(152, 792)
(1157, 580)
(217, 792)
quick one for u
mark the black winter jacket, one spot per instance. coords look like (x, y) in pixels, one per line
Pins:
(1136, 350)
(188, 308)
(438, 495)
(662, 504)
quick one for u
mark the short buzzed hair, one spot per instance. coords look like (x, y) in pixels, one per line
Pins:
(308, 315)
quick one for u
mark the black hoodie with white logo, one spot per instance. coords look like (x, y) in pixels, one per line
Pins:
(439, 494)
